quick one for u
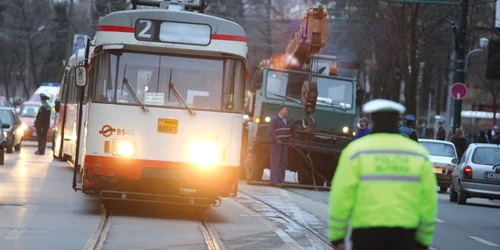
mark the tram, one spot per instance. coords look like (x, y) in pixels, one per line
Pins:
(165, 106)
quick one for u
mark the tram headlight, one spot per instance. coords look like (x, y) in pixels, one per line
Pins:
(205, 153)
(124, 148)
(345, 129)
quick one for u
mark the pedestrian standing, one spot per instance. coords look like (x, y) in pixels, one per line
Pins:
(280, 134)
(42, 123)
(407, 129)
(460, 142)
(441, 133)
(384, 187)
(364, 130)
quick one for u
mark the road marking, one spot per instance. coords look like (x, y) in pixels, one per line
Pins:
(483, 241)
(15, 234)
(439, 221)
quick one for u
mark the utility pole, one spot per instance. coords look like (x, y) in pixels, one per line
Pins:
(461, 62)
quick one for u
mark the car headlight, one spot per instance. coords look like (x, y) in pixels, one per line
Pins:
(205, 153)
(124, 148)
(4, 134)
(345, 129)
(24, 126)
(267, 119)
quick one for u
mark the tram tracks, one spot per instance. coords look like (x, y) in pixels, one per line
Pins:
(322, 240)
(98, 237)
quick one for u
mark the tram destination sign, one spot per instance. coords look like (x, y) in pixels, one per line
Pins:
(173, 32)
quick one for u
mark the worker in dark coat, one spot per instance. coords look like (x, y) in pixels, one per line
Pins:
(280, 134)
(42, 123)
(407, 129)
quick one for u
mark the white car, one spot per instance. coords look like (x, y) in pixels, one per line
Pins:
(444, 156)
(477, 174)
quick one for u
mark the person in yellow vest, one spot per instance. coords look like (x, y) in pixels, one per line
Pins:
(384, 188)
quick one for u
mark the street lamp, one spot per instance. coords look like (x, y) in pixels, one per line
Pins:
(483, 43)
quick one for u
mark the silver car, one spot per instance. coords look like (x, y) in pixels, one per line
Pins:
(477, 174)
(444, 157)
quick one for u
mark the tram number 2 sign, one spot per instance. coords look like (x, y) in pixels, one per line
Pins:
(144, 30)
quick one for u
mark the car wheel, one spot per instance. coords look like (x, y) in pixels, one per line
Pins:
(18, 147)
(453, 194)
(462, 197)
(9, 148)
(2, 156)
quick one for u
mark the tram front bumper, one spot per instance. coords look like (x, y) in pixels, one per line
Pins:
(218, 180)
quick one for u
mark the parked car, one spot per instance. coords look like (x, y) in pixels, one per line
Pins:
(477, 174)
(28, 115)
(14, 132)
(444, 156)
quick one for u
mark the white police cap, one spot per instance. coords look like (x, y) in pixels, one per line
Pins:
(382, 105)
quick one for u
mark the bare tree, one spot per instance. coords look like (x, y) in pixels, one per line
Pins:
(397, 37)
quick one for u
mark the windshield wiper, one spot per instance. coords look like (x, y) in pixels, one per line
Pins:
(288, 98)
(132, 92)
(332, 105)
(171, 87)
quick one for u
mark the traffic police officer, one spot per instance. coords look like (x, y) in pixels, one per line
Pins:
(42, 123)
(385, 186)
(407, 129)
(280, 134)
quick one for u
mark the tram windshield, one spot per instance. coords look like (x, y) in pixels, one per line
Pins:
(202, 83)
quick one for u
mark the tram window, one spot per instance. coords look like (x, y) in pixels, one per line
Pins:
(234, 87)
(103, 77)
(203, 83)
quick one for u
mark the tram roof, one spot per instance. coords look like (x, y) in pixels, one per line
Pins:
(129, 17)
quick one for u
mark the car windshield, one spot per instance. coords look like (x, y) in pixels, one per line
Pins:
(486, 156)
(330, 91)
(36, 98)
(32, 111)
(29, 111)
(6, 117)
(202, 83)
(439, 149)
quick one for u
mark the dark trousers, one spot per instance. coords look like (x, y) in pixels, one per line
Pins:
(279, 162)
(383, 238)
(41, 136)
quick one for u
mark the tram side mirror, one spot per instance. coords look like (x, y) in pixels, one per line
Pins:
(81, 76)
(57, 106)
(455, 161)
(359, 96)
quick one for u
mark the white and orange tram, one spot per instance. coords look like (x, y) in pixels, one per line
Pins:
(165, 106)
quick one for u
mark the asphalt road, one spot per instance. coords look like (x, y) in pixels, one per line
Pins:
(474, 226)
(39, 210)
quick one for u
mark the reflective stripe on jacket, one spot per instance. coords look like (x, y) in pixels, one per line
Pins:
(278, 130)
(384, 180)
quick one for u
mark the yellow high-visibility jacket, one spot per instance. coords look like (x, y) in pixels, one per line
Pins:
(384, 180)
